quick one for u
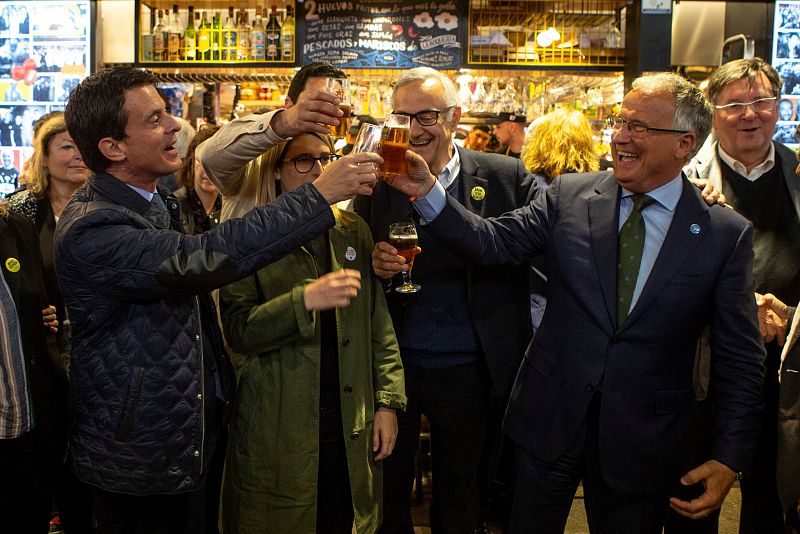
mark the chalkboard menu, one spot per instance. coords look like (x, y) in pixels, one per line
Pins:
(370, 33)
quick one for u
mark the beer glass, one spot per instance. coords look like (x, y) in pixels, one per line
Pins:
(340, 87)
(403, 237)
(394, 143)
(368, 140)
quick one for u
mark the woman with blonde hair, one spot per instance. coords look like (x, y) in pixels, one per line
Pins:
(56, 170)
(561, 142)
(315, 407)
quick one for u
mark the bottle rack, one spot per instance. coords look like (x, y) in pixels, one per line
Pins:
(218, 44)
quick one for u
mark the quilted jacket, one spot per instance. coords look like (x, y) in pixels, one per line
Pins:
(131, 285)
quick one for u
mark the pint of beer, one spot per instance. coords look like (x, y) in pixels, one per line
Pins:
(344, 122)
(340, 87)
(394, 143)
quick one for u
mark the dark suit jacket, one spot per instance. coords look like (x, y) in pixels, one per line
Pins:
(498, 296)
(644, 368)
(788, 475)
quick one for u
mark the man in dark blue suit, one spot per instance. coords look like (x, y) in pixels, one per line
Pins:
(463, 335)
(604, 393)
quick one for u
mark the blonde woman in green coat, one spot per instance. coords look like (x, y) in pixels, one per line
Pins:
(315, 408)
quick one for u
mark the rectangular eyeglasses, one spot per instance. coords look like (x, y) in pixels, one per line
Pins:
(636, 128)
(761, 105)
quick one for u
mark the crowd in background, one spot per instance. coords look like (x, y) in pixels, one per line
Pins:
(195, 338)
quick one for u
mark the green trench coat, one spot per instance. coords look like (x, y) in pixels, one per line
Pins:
(272, 459)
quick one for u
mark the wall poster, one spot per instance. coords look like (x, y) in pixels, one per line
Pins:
(786, 60)
(44, 54)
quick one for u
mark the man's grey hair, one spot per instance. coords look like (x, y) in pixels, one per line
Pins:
(693, 111)
(742, 68)
(451, 99)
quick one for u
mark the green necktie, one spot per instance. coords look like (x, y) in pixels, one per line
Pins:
(629, 255)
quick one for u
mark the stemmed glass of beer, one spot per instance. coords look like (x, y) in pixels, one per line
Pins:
(394, 143)
(340, 87)
(403, 237)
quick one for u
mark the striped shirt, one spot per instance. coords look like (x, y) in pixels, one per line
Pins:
(16, 410)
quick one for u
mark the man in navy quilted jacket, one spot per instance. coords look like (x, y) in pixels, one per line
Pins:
(148, 370)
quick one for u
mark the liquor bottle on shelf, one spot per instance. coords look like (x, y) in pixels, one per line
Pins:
(159, 44)
(242, 37)
(287, 36)
(190, 38)
(174, 39)
(204, 39)
(257, 46)
(229, 37)
(216, 37)
(198, 24)
(274, 36)
(147, 39)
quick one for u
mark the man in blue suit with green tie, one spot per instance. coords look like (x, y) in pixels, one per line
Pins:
(640, 265)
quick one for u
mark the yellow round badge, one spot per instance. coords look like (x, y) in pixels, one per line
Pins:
(478, 193)
(12, 264)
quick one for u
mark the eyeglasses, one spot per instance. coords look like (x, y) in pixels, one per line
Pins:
(305, 163)
(426, 117)
(734, 109)
(636, 128)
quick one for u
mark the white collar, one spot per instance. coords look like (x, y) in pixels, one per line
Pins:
(757, 172)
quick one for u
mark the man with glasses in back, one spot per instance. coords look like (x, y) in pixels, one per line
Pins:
(757, 175)
(638, 266)
(463, 334)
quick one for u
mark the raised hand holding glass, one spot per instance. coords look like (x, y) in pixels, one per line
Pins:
(394, 143)
(340, 87)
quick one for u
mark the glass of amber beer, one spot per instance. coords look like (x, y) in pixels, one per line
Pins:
(394, 143)
(340, 87)
(403, 237)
